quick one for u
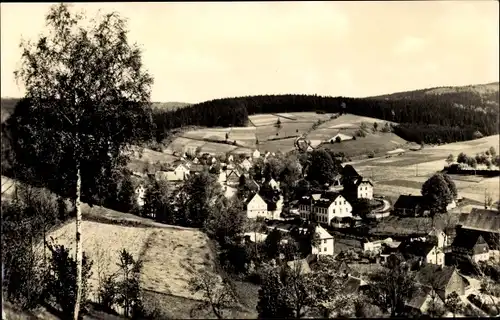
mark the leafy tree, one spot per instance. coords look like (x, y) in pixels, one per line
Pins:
(126, 195)
(375, 126)
(391, 289)
(493, 152)
(62, 284)
(77, 115)
(273, 301)
(338, 140)
(454, 304)
(450, 159)
(157, 203)
(218, 297)
(451, 185)
(291, 173)
(471, 162)
(278, 123)
(273, 168)
(437, 193)
(198, 196)
(323, 168)
(462, 158)
(272, 244)
(128, 285)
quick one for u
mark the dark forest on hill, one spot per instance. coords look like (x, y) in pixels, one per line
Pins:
(429, 119)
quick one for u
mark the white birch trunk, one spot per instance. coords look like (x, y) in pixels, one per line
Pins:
(79, 261)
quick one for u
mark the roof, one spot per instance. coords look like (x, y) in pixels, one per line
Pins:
(252, 196)
(251, 184)
(256, 236)
(352, 285)
(363, 180)
(419, 297)
(470, 240)
(437, 277)
(349, 171)
(408, 202)
(481, 219)
(322, 233)
(416, 248)
(342, 136)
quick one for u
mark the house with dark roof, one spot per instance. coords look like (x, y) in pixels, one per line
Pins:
(233, 177)
(256, 207)
(481, 220)
(349, 172)
(409, 205)
(436, 284)
(470, 244)
(422, 251)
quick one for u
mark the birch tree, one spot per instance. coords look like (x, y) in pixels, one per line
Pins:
(86, 100)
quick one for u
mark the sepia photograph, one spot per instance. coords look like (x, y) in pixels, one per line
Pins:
(250, 160)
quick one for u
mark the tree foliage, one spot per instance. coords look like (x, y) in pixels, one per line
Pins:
(322, 168)
(437, 193)
(61, 282)
(87, 98)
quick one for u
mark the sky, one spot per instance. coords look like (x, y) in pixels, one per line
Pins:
(201, 51)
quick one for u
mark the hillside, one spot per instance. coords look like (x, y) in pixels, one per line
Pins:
(479, 96)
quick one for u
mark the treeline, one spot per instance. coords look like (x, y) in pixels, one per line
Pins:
(435, 134)
(436, 110)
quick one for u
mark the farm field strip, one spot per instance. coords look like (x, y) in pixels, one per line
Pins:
(216, 148)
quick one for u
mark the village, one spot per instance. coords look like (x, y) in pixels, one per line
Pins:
(438, 255)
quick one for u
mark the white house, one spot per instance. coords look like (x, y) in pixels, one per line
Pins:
(246, 164)
(423, 250)
(273, 184)
(196, 160)
(326, 208)
(376, 245)
(451, 205)
(326, 244)
(140, 193)
(442, 238)
(309, 149)
(342, 137)
(276, 213)
(364, 189)
(181, 171)
(230, 158)
(256, 154)
(222, 178)
(256, 207)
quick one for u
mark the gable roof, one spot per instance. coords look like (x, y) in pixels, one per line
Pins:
(416, 248)
(360, 181)
(419, 297)
(408, 202)
(481, 219)
(470, 240)
(349, 171)
(435, 276)
(254, 196)
(352, 285)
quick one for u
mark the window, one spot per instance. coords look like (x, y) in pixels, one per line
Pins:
(324, 249)
(340, 210)
(345, 202)
(324, 241)
(333, 210)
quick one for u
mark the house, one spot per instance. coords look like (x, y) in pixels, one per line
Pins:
(324, 208)
(166, 176)
(486, 223)
(246, 164)
(140, 193)
(442, 279)
(181, 172)
(309, 149)
(274, 208)
(326, 244)
(196, 160)
(230, 158)
(423, 251)
(273, 184)
(256, 207)
(341, 136)
(359, 189)
(470, 244)
(255, 237)
(256, 154)
(376, 245)
(353, 285)
(422, 300)
(441, 238)
(222, 177)
(233, 177)
(409, 205)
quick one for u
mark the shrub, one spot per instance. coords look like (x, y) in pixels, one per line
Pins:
(371, 154)
(360, 133)
(338, 140)
(61, 280)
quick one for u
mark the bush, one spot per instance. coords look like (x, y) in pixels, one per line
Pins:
(61, 280)
(360, 133)
(371, 154)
